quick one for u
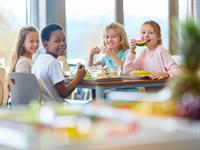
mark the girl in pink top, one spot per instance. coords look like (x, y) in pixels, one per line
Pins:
(154, 57)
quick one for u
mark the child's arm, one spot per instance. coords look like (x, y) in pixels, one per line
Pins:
(132, 63)
(159, 75)
(94, 51)
(65, 90)
(114, 57)
(129, 63)
(169, 65)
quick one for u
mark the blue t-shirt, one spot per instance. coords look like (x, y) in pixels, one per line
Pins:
(108, 62)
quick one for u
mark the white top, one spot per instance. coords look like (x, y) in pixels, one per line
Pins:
(23, 65)
(48, 71)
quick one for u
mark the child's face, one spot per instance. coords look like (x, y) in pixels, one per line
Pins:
(148, 34)
(31, 43)
(112, 39)
(56, 44)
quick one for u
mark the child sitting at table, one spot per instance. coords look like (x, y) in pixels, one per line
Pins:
(154, 57)
(27, 45)
(116, 47)
(47, 68)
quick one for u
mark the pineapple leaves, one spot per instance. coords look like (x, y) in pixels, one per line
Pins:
(190, 44)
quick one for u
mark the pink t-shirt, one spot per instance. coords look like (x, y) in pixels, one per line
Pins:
(158, 60)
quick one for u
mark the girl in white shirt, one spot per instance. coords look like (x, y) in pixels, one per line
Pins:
(27, 45)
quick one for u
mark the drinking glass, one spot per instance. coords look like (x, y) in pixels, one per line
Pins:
(115, 71)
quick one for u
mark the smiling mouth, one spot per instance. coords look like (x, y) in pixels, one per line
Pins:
(62, 49)
(109, 43)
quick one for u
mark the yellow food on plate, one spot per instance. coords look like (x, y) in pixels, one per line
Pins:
(102, 75)
(108, 75)
(140, 73)
(114, 74)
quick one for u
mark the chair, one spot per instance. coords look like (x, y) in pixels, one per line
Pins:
(24, 88)
(3, 87)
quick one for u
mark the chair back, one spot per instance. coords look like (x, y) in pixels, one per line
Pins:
(3, 87)
(24, 88)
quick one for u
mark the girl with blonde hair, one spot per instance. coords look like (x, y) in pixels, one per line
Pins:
(116, 47)
(27, 45)
(154, 57)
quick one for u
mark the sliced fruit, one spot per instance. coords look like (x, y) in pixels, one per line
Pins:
(140, 42)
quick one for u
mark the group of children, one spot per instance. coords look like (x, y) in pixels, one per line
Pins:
(117, 52)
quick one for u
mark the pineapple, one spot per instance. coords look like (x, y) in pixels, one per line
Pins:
(186, 88)
(190, 46)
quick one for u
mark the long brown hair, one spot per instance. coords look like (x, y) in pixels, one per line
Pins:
(121, 32)
(156, 28)
(19, 50)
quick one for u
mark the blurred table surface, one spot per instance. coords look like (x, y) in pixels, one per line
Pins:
(154, 134)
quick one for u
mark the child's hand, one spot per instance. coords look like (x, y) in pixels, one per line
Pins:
(133, 45)
(81, 72)
(109, 51)
(159, 75)
(80, 66)
(94, 51)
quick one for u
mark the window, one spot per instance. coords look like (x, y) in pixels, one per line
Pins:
(184, 8)
(85, 22)
(138, 11)
(12, 17)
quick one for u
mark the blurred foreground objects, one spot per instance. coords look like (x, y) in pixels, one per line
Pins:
(185, 89)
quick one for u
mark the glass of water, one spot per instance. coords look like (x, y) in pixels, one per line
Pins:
(93, 71)
(115, 71)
